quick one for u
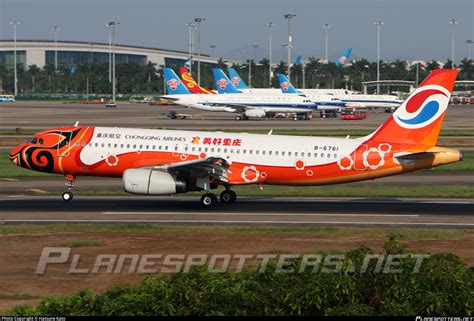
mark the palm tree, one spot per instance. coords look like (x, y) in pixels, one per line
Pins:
(34, 71)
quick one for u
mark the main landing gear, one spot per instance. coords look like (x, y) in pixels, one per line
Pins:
(209, 200)
(68, 196)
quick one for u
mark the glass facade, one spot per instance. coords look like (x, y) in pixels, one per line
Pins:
(7, 58)
(69, 59)
(175, 62)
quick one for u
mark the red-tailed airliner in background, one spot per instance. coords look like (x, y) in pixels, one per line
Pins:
(164, 162)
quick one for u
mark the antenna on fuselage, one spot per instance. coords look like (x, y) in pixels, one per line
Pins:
(76, 124)
(270, 132)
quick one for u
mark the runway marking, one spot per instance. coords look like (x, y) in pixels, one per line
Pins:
(9, 179)
(247, 222)
(258, 214)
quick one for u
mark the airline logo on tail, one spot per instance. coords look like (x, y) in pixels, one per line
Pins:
(222, 83)
(285, 85)
(173, 83)
(235, 81)
(191, 84)
(342, 61)
(423, 107)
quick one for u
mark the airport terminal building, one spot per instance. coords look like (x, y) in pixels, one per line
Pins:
(74, 53)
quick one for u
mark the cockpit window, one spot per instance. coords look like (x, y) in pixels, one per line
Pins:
(34, 140)
(40, 141)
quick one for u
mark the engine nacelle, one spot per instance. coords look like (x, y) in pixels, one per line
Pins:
(257, 113)
(146, 181)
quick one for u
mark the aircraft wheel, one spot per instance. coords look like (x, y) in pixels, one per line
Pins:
(208, 200)
(238, 117)
(228, 196)
(67, 196)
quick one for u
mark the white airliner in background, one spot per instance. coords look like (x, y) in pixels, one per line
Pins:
(245, 105)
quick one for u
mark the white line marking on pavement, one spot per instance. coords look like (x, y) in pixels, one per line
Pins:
(258, 214)
(245, 222)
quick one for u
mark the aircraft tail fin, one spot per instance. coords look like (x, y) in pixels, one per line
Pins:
(418, 120)
(174, 85)
(236, 79)
(286, 86)
(191, 84)
(223, 83)
(344, 59)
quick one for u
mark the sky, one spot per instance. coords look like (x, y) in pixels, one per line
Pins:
(412, 30)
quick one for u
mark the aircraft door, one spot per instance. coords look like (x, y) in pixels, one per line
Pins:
(64, 144)
(359, 158)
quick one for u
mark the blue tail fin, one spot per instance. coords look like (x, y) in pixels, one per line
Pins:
(344, 58)
(223, 83)
(286, 86)
(237, 80)
(174, 85)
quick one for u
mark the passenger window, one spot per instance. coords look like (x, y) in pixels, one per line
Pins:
(225, 150)
(257, 152)
(322, 155)
(309, 154)
(276, 153)
(296, 153)
(186, 148)
(270, 152)
(206, 149)
(251, 152)
(315, 155)
(212, 150)
(134, 146)
(128, 146)
(102, 145)
(121, 145)
(159, 147)
(176, 148)
(141, 147)
(263, 152)
(199, 149)
(166, 147)
(147, 147)
(109, 145)
(244, 151)
(83, 144)
(153, 147)
(282, 153)
(289, 153)
(218, 150)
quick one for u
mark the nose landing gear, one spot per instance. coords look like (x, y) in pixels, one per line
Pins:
(68, 196)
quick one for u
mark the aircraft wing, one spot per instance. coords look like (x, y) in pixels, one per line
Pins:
(237, 107)
(213, 167)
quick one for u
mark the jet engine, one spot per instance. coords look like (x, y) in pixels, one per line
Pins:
(257, 113)
(146, 181)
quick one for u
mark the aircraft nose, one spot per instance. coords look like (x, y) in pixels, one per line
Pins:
(15, 154)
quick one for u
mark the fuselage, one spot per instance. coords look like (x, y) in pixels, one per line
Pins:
(235, 102)
(252, 158)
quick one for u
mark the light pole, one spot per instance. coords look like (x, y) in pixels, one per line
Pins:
(326, 28)
(289, 16)
(378, 23)
(112, 25)
(14, 24)
(55, 30)
(250, 64)
(198, 26)
(469, 48)
(191, 28)
(212, 49)
(452, 22)
(270, 71)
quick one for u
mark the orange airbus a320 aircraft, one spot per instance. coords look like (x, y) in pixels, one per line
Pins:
(163, 162)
